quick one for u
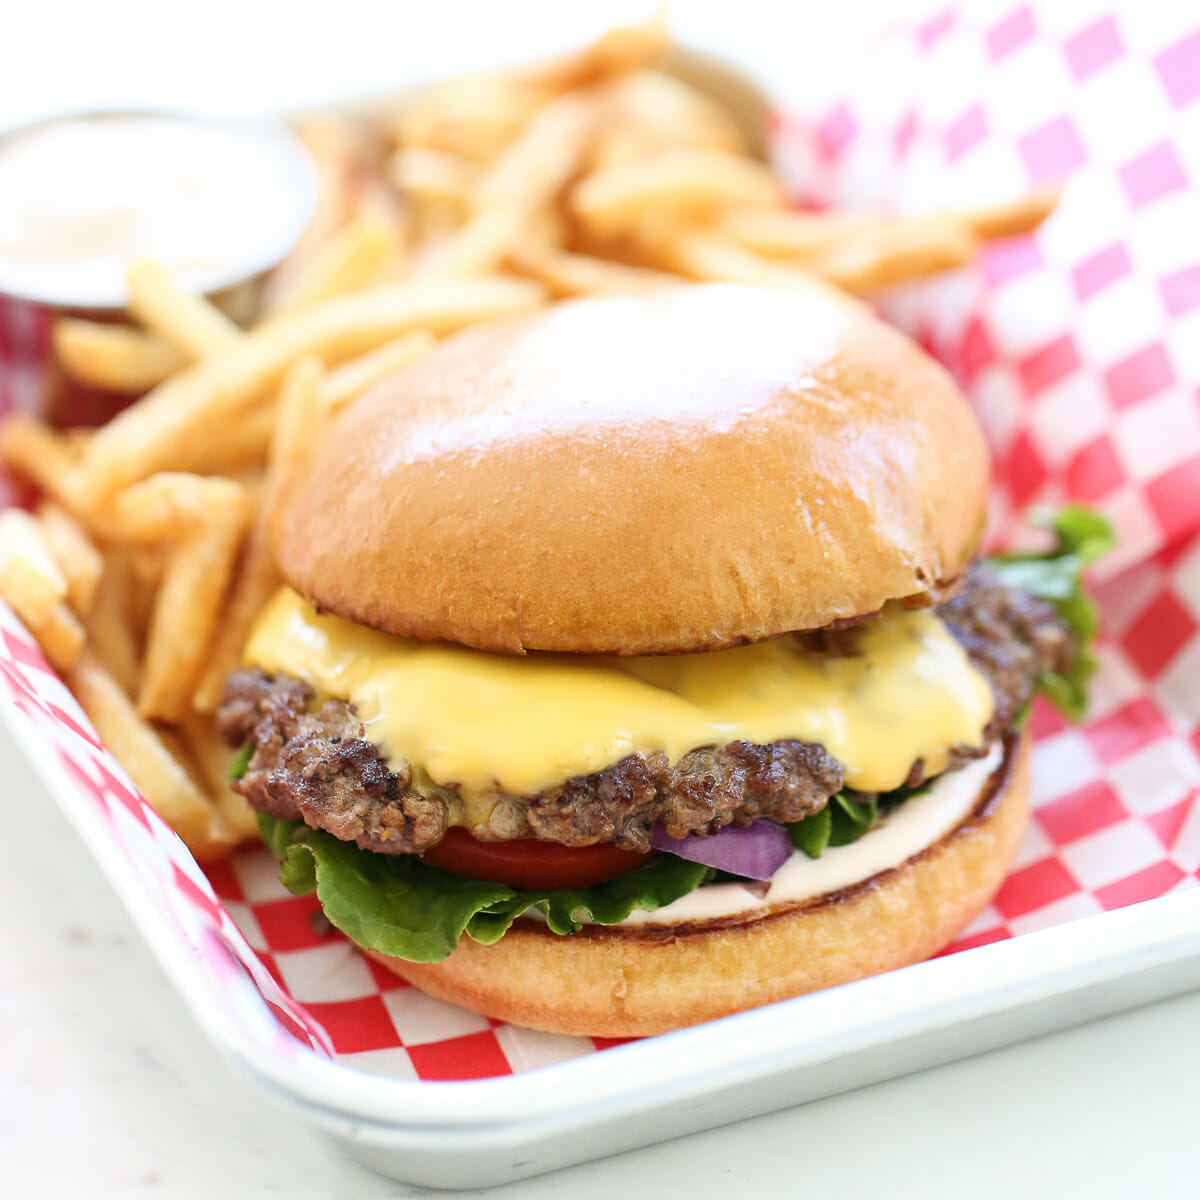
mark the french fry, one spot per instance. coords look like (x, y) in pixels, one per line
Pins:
(1013, 219)
(377, 201)
(347, 382)
(805, 236)
(50, 459)
(896, 252)
(256, 582)
(565, 274)
(474, 248)
(160, 776)
(785, 233)
(345, 262)
(155, 434)
(704, 255)
(858, 264)
(300, 418)
(146, 562)
(61, 636)
(78, 559)
(473, 118)
(524, 180)
(477, 116)
(546, 228)
(32, 582)
(302, 412)
(171, 504)
(302, 402)
(433, 176)
(30, 579)
(212, 759)
(113, 357)
(431, 224)
(533, 168)
(111, 620)
(190, 323)
(43, 456)
(623, 48)
(241, 446)
(675, 183)
(146, 565)
(647, 112)
(334, 141)
(239, 818)
(185, 613)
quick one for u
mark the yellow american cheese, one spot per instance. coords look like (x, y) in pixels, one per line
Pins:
(486, 722)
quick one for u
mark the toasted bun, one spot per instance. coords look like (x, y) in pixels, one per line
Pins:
(684, 471)
(646, 979)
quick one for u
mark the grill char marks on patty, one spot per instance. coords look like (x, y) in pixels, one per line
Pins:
(1011, 637)
(706, 790)
(316, 766)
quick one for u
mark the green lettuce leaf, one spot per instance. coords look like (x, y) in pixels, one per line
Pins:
(852, 817)
(843, 820)
(1056, 576)
(398, 905)
(812, 834)
(277, 836)
(240, 762)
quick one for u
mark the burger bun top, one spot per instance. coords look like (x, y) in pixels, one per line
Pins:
(688, 470)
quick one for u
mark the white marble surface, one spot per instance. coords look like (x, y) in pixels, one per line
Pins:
(107, 1089)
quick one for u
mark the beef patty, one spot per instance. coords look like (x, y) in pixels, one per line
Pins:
(314, 764)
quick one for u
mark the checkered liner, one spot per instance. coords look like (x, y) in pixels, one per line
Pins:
(1081, 351)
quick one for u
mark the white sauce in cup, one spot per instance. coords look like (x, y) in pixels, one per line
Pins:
(216, 202)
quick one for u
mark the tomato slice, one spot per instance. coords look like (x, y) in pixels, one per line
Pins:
(529, 865)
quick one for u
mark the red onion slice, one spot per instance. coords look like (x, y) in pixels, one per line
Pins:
(755, 852)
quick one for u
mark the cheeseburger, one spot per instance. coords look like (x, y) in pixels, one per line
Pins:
(635, 665)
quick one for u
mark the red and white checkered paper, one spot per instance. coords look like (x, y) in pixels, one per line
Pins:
(1081, 351)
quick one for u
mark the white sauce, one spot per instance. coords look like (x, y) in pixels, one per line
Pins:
(216, 202)
(915, 825)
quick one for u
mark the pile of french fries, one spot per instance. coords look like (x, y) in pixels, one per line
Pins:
(149, 556)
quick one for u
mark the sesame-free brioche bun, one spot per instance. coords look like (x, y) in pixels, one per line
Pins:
(693, 469)
(645, 979)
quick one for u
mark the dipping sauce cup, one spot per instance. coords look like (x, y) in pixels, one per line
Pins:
(216, 201)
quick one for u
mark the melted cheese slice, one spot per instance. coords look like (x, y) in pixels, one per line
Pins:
(486, 722)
